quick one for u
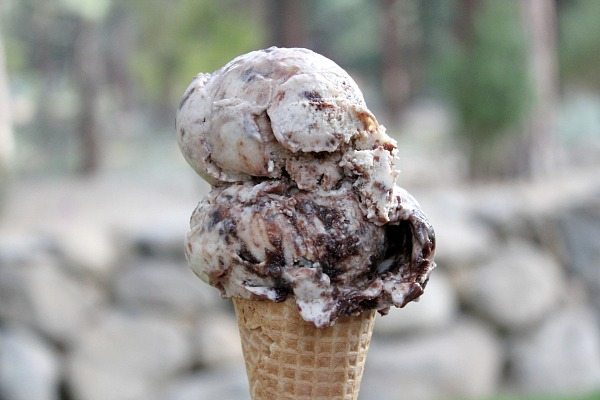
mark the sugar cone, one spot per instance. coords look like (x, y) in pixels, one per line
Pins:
(288, 358)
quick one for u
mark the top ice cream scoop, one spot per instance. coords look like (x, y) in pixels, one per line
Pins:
(281, 112)
(293, 119)
(265, 107)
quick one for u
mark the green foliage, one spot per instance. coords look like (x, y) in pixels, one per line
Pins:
(15, 55)
(36, 34)
(89, 9)
(591, 396)
(579, 42)
(180, 38)
(349, 30)
(487, 80)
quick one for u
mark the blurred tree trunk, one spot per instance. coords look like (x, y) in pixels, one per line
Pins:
(541, 151)
(464, 27)
(400, 55)
(88, 80)
(44, 62)
(122, 34)
(288, 22)
(480, 154)
(6, 136)
(119, 48)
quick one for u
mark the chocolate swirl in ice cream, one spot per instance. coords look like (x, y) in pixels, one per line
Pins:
(304, 200)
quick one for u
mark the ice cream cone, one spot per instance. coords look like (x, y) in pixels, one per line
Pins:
(289, 358)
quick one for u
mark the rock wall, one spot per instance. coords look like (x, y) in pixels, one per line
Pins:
(101, 305)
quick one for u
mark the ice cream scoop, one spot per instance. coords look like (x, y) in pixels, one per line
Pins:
(265, 111)
(287, 113)
(271, 240)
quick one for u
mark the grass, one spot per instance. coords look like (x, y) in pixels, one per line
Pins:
(591, 396)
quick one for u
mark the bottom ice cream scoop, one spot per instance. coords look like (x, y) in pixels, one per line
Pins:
(270, 240)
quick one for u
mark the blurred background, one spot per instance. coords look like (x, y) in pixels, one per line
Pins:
(496, 109)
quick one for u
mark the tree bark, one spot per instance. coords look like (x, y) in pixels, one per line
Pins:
(289, 26)
(541, 149)
(118, 56)
(400, 56)
(6, 135)
(89, 79)
(464, 24)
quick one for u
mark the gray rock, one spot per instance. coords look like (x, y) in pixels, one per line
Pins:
(223, 384)
(462, 240)
(427, 148)
(218, 341)
(435, 309)
(464, 361)
(127, 357)
(44, 296)
(87, 250)
(505, 211)
(29, 368)
(166, 287)
(15, 304)
(166, 240)
(89, 383)
(561, 357)
(578, 233)
(516, 288)
(18, 249)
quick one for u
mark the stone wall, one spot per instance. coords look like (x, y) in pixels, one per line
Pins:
(97, 303)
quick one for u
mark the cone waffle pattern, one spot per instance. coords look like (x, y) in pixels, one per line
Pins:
(288, 358)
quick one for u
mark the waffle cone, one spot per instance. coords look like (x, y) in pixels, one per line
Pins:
(290, 359)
